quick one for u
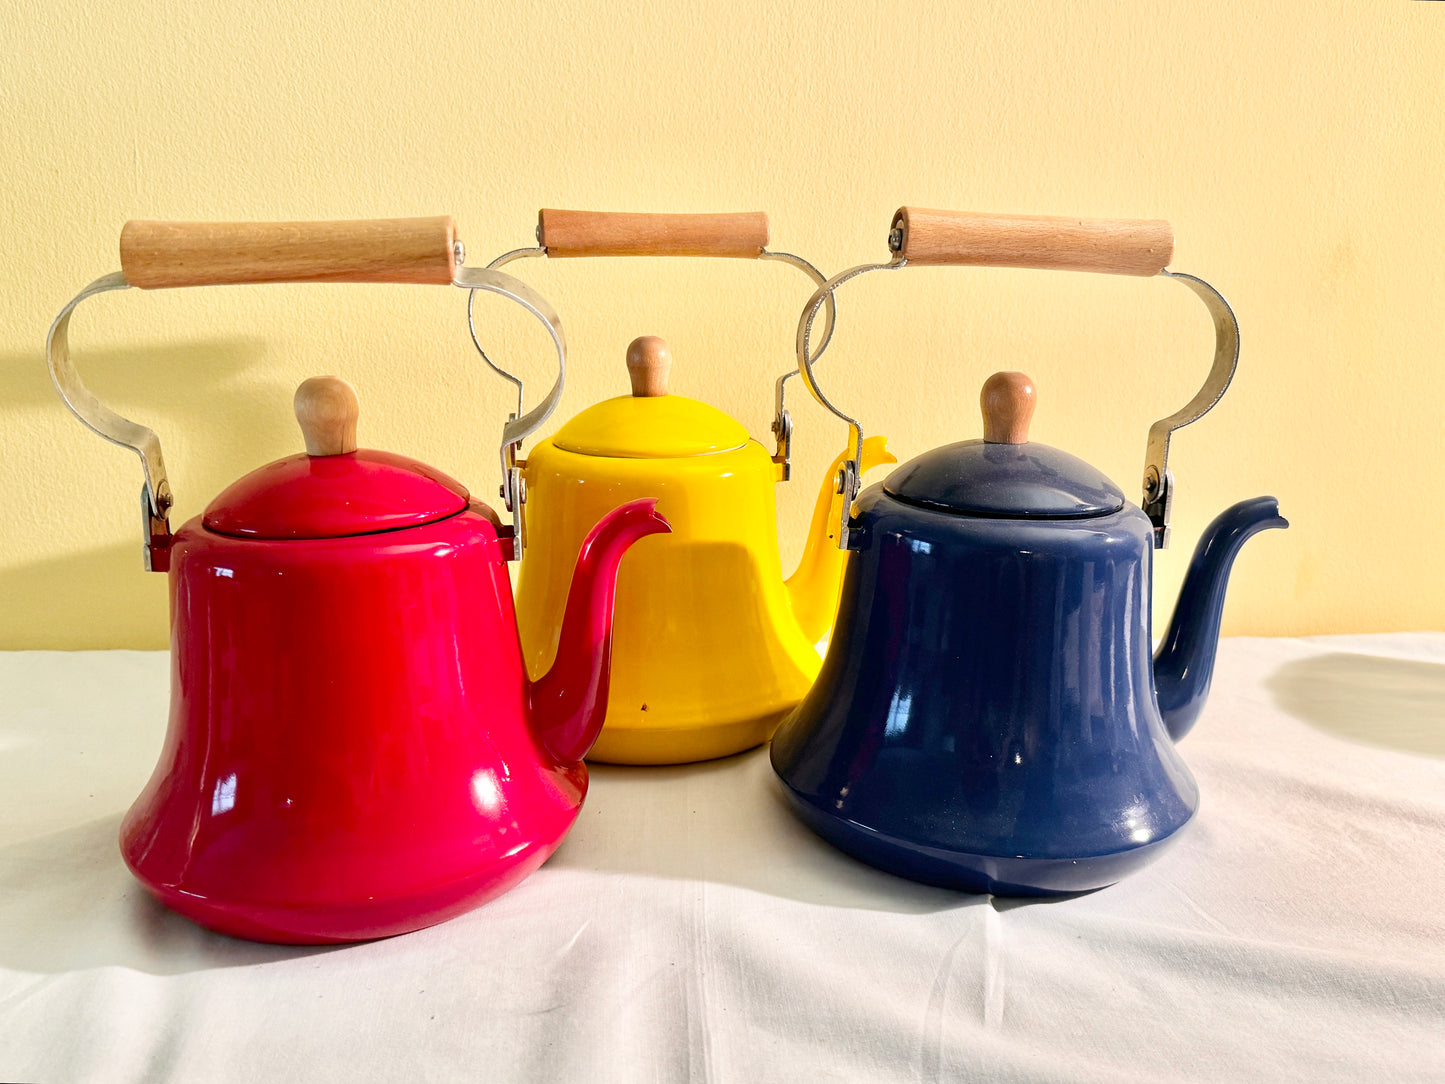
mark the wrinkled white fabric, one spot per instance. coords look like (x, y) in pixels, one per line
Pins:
(691, 930)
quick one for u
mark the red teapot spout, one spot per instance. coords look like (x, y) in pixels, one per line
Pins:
(569, 702)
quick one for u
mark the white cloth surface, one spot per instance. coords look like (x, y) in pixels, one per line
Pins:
(691, 929)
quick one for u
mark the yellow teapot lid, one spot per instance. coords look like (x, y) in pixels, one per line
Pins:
(649, 423)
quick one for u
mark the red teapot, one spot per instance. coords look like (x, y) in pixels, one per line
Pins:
(355, 749)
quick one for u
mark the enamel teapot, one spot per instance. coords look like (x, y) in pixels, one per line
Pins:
(712, 646)
(354, 748)
(989, 716)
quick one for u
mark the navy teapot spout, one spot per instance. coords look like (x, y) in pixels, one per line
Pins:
(990, 716)
(1184, 664)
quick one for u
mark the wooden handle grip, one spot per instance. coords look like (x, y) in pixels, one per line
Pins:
(742, 235)
(1115, 246)
(155, 255)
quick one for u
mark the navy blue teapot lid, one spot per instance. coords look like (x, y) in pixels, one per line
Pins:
(1004, 474)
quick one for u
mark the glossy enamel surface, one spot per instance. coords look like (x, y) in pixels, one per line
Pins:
(985, 718)
(332, 496)
(1184, 665)
(357, 774)
(707, 655)
(1018, 480)
(712, 646)
(651, 427)
(354, 747)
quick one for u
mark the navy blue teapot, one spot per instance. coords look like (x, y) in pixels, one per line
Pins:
(990, 715)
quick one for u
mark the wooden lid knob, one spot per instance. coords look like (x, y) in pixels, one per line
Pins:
(648, 361)
(326, 407)
(1008, 407)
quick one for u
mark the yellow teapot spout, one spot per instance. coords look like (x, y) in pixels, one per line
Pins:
(814, 588)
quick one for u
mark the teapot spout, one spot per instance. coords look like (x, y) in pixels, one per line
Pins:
(570, 701)
(813, 588)
(1184, 664)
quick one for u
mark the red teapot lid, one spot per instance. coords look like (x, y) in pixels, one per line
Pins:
(333, 489)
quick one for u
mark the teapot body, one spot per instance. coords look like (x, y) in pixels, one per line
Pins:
(349, 753)
(707, 655)
(986, 718)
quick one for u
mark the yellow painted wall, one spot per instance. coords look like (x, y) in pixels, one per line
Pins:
(1297, 148)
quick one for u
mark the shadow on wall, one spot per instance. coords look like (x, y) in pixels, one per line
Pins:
(170, 379)
(93, 598)
(202, 395)
(1395, 703)
(217, 418)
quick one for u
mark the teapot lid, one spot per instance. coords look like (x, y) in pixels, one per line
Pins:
(650, 423)
(1005, 474)
(333, 489)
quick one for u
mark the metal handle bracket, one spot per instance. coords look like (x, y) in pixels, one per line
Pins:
(156, 498)
(1158, 497)
(1158, 502)
(519, 426)
(850, 476)
(782, 427)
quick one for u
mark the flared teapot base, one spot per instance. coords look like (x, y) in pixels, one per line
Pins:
(997, 875)
(344, 922)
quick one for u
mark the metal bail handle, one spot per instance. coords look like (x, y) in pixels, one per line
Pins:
(159, 255)
(519, 426)
(735, 235)
(1136, 247)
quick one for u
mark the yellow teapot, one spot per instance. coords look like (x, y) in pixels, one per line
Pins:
(711, 646)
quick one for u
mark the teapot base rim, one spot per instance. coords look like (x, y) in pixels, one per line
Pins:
(340, 923)
(660, 745)
(998, 875)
